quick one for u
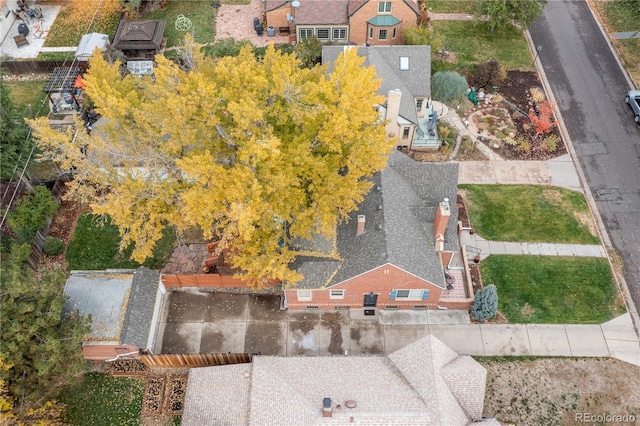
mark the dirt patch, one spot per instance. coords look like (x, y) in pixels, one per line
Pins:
(554, 391)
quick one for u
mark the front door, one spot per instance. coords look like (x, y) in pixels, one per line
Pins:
(370, 302)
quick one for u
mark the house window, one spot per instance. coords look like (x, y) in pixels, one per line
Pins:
(409, 294)
(370, 32)
(404, 63)
(323, 33)
(336, 294)
(306, 32)
(382, 35)
(384, 7)
(405, 132)
(339, 33)
(419, 104)
(395, 32)
(304, 295)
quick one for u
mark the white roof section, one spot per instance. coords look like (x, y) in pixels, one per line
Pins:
(88, 44)
(415, 385)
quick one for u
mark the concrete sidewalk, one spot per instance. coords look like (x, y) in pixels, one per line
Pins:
(486, 247)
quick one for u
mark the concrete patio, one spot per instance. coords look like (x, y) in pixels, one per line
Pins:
(198, 322)
(38, 30)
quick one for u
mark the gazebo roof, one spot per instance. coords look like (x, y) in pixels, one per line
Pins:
(62, 79)
(139, 35)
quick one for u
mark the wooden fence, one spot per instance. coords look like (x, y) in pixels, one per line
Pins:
(38, 242)
(34, 67)
(193, 360)
(207, 280)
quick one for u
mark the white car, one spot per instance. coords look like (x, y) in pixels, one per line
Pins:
(633, 99)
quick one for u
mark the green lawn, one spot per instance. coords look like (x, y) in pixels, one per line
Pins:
(201, 14)
(529, 213)
(451, 6)
(472, 43)
(28, 92)
(618, 16)
(552, 289)
(94, 246)
(102, 400)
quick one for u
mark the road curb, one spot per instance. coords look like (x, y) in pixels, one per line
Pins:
(602, 231)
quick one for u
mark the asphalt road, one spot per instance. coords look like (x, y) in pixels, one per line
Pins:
(589, 87)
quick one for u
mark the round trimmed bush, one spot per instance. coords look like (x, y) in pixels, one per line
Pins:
(447, 86)
(53, 246)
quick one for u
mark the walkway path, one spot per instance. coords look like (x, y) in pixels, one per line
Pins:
(487, 247)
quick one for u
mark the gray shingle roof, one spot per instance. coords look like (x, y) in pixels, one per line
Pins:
(413, 83)
(405, 387)
(137, 321)
(399, 212)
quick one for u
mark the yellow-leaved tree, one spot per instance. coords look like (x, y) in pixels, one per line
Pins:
(255, 152)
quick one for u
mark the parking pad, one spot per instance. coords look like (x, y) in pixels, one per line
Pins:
(266, 338)
(213, 322)
(366, 337)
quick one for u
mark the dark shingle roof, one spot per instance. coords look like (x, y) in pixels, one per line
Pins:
(139, 35)
(399, 211)
(413, 83)
(137, 321)
(326, 12)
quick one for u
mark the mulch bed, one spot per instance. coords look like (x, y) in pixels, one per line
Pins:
(127, 367)
(516, 89)
(153, 396)
(164, 395)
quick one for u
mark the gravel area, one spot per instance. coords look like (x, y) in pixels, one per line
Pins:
(236, 21)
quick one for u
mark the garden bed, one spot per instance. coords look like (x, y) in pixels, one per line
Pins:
(516, 89)
(164, 395)
(127, 368)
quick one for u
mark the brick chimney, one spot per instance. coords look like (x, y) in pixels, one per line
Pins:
(327, 409)
(442, 219)
(393, 111)
(361, 222)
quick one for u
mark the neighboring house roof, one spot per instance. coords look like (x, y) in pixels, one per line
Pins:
(325, 12)
(139, 35)
(410, 386)
(88, 43)
(120, 303)
(142, 300)
(413, 83)
(399, 212)
(354, 5)
(384, 21)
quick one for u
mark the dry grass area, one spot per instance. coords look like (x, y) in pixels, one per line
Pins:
(553, 391)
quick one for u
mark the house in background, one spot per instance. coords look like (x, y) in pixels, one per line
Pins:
(424, 383)
(405, 72)
(344, 21)
(399, 250)
(124, 306)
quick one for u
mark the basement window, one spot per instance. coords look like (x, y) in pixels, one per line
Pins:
(391, 307)
(420, 308)
(316, 307)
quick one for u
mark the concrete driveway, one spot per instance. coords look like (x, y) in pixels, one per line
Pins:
(196, 322)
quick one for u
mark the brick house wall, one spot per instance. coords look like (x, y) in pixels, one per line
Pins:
(278, 17)
(359, 29)
(380, 281)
